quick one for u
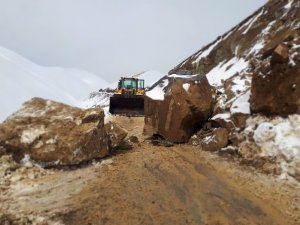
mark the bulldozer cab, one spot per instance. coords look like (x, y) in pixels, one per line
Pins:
(128, 98)
(129, 83)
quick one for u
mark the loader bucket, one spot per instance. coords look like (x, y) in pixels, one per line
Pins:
(127, 106)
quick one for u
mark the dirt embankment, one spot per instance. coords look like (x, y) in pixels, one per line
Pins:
(154, 185)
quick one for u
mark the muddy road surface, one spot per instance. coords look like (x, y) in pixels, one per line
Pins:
(156, 185)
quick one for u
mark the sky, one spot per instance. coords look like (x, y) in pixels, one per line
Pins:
(114, 38)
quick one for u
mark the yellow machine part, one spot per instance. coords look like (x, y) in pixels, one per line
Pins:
(138, 91)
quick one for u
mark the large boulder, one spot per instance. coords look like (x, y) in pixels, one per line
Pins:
(116, 134)
(54, 133)
(276, 85)
(186, 106)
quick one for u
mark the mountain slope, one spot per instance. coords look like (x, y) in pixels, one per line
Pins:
(255, 69)
(20, 80)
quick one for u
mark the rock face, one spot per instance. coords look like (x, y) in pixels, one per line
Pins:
(54, 133)
(186, 107)
(116, 134)
(276, 85)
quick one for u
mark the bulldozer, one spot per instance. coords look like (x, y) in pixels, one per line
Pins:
(128, 98)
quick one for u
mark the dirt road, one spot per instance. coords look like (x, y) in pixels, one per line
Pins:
(158, 185)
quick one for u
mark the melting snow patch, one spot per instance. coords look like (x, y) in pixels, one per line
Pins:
(252, 21)
(30, 135)
(226, 70)
(157, 93)
(224, 116)
(278, 136)
(186, 87)
(241, 104)
(257, 47)
(206, 52)
(26, 159)
(289, 5)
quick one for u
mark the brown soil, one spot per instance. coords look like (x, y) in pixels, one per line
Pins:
(156, 185)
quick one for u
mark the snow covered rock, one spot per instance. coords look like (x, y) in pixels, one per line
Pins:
(53, 133)
(186, 106)
(211, 140)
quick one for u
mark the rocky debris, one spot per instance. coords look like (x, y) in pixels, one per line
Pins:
(13, 173)
(8, 165)
(249, 150)
(255, 68)
(116, 135)
(162, 142)
(3, 151)
(186, 106)
(11, 219)
(239, 120)
(133, 139)
(294, 169)
(210, 140)
(275, 85)
(52, 133)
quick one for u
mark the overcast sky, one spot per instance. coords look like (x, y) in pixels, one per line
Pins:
(116, 37)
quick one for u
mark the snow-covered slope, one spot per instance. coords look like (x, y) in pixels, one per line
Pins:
(20, 80)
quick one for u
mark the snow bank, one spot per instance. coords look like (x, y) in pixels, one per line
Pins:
(241, 104)
(277, 136)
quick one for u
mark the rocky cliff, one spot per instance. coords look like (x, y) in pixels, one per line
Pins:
(255, 70)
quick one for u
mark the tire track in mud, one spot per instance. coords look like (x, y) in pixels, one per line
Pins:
(207, 197)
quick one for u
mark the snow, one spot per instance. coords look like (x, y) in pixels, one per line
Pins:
(239, 85)
(257, 47)
(268, 28)
(186, 87)
(30, 135)
(157, 93)
(226, 70)
(97, 99)
(252, 21)
(224, 116)
(206, 52)
(241, 104)
(182, 76)
(277, 136)
(21, 80)
(289, 5)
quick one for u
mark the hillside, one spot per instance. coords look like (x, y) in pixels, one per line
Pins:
(219, 142)
(254, 77)
(21, 80)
